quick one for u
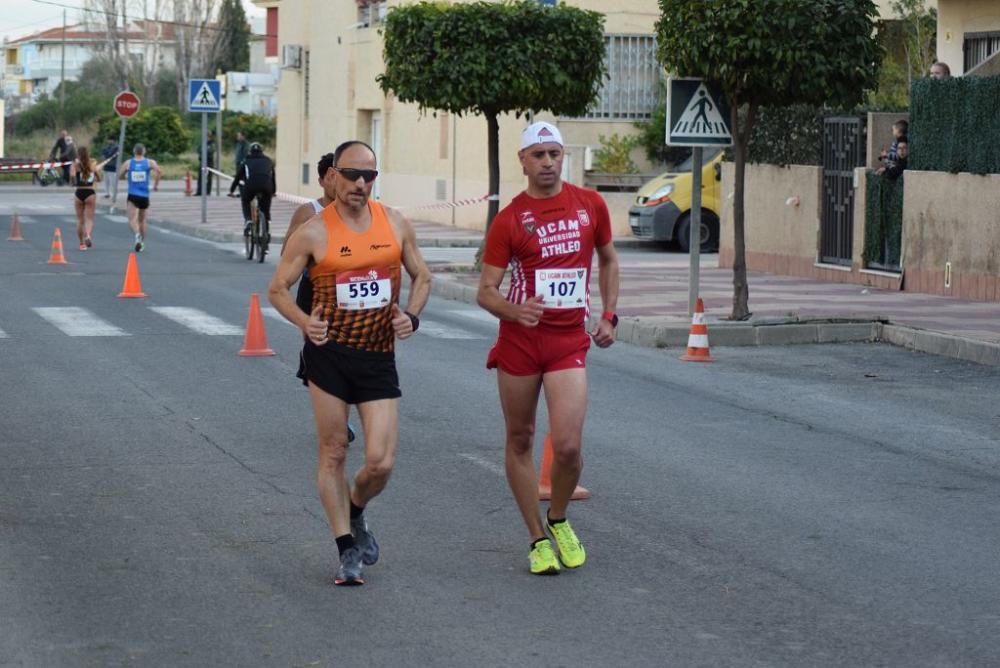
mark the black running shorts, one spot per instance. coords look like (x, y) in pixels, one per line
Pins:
(140, 202)
(354, 376)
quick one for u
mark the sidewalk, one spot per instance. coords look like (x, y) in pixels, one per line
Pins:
(653, 305)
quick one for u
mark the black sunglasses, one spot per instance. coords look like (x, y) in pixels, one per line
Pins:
(350, 174)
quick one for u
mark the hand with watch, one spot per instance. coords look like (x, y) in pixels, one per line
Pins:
(604, 333)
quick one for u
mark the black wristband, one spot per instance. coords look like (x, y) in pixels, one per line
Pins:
(414, 320)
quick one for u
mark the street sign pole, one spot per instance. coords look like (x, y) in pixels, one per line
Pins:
(694, 230)
(204, 165)
(697, 116)
(204, 95)
(118, 164)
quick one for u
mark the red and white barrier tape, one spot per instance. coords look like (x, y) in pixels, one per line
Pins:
(288, 197)
(33, 166)
(298, 199)
(455, 204)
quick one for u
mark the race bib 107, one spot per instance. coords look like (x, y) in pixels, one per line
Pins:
(562, 288)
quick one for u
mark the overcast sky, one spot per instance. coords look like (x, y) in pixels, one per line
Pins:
(19, 18)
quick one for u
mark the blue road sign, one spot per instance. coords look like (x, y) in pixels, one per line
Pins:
(697, 114)
(204, 95)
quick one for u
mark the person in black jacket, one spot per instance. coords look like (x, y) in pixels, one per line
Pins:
(257, 175)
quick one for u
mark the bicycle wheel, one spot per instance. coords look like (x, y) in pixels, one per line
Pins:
(262, 239)
(248, 239)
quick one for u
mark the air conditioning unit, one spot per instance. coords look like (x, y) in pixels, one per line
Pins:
(291, 56)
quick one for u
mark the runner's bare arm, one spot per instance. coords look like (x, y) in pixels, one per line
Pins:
(489, 297)
(72, 172)
(607, 283)
(156, 168)
(96, 169)
(301, 215)
(124, 170)
(306, 244)
(413, 262)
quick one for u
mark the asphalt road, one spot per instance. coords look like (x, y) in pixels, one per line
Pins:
(794, 506)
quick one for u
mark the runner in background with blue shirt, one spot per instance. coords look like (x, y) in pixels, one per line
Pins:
(137, 171)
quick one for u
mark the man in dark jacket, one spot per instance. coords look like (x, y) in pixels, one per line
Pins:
(257, 175)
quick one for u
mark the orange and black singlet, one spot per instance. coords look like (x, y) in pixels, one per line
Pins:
(358, 281)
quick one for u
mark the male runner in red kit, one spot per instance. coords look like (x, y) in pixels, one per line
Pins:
(547, 235)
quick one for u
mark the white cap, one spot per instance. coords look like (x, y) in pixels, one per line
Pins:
(540, 133)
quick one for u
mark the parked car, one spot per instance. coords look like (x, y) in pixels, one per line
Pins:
(662, 210)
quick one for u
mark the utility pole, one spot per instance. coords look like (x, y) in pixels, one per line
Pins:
(125, 39)
(62, 74)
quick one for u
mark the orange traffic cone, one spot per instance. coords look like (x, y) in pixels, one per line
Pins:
(131, 287)
(255, 341)
(698, 338)
(545, 477)
(15, 228)
(56, 255)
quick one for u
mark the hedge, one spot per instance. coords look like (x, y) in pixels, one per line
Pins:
(954, 125)
(883, 221)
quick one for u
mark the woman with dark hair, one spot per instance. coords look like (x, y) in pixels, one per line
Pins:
(83, 174)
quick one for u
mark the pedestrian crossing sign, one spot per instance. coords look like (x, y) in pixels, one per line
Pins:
(697, 114)
(204, 95)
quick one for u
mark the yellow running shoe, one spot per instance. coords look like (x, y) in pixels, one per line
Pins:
(571, 552)
(543, 559)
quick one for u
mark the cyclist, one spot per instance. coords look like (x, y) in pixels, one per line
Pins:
(257, 175)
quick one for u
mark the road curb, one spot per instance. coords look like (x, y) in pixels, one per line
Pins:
(771, 332)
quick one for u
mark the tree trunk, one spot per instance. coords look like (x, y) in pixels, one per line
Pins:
(493, 157)
(741, 291)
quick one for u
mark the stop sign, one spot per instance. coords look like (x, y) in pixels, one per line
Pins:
(126, 104)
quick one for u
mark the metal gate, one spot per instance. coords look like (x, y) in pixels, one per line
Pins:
(843, 150)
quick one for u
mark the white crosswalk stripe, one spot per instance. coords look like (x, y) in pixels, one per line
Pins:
(480, 315)
(198, 321)
(439, 331)
(3, 334)
(75, 321)
(271, 312)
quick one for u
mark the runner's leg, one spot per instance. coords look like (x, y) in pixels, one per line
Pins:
(133, 217)
(331, 480)
(89, 209)
(566, 398)
(78, 207)
(380, 422)
(519, 401)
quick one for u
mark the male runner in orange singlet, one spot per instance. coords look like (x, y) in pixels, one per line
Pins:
(354, 251)
(548, 235)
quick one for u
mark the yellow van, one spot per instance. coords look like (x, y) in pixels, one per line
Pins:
(662, 210)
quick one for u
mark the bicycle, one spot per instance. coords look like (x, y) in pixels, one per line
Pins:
(257, 241)
(46, 176)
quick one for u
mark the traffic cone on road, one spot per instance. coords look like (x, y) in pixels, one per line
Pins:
(255, 341)
(698, 350)
(56, 255)
(132, 287)
(545, 477)
(15, 228)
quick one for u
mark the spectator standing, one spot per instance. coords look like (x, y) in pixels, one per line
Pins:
(242, 148)
(211, 163)
(939, 70)
(110, 155)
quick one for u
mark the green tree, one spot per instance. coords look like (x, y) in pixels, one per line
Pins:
(160, 129)
(493, 58)
(769, 53)
(232, 41)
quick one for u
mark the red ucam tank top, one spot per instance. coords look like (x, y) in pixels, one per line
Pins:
(549, 245)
